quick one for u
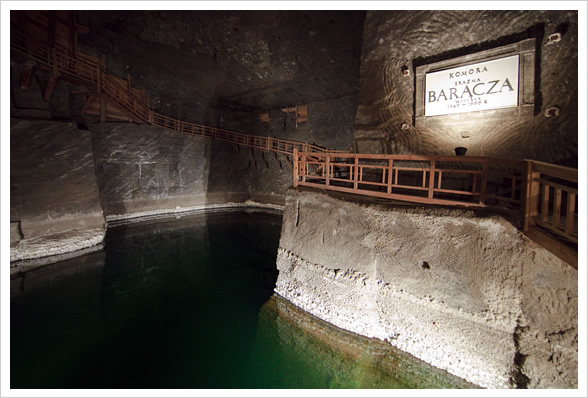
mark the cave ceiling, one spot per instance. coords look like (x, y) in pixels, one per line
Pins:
(241, 60)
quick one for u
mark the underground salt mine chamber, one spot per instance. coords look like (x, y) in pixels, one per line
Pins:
(293, 199)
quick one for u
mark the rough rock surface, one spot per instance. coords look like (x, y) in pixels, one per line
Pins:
(209, 60)
(144, 168)
(466, 293)
(53, 190)
(396, 39)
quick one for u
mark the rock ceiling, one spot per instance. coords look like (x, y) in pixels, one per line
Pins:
(241, 60)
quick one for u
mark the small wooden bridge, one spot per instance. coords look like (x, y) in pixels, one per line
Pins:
(542, 196)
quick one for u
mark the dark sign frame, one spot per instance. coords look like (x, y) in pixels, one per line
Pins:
(526, 96)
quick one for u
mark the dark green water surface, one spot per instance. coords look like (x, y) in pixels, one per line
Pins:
(188, 303)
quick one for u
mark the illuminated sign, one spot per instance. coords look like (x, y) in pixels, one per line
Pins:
(474, 87)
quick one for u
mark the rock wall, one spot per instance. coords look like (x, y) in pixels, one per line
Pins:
(330, 124)
(54, 201)
(393, 40)
(145, 169)
(466, 293)
(229, 67)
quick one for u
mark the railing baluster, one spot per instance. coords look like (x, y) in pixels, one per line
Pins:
(328, 167)
(356, 171)
(556, 208)
(531, 196)
(295, 167)
(570, 213)
(431, 179)
(513, 188)
(545, 203)
(390, 164)
(484, 183)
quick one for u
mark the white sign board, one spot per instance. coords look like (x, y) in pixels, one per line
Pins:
(476, 87)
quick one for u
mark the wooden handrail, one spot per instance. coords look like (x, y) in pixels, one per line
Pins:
(406, 177)
(90, 69)
(553, 170)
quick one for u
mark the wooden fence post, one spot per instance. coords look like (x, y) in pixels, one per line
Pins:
(55, 62)
(355, 171)
(98, 82)
(483, 183)
(327, 168)
(295, 167)
(431, 179)
(389, 182)
(103, 105)
(570, 210)
(531, 198)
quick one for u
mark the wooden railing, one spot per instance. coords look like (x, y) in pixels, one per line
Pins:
(552, 199)
(269, 144)
(538, 194)
(448, 180)
(90, 70)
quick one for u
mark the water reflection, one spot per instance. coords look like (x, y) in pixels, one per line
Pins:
(188, 304)
(306, 352)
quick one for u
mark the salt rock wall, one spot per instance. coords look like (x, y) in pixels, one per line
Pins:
(394, 40)
(54, 200)
(143, 170)
(329, 124)
(463, 292)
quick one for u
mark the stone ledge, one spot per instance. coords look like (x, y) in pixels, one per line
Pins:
(56, 244)
(465, 345)
(463, 291)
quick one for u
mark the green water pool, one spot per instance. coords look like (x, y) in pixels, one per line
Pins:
(188, 304)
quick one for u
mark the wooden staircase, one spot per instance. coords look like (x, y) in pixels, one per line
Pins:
(115, 97)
